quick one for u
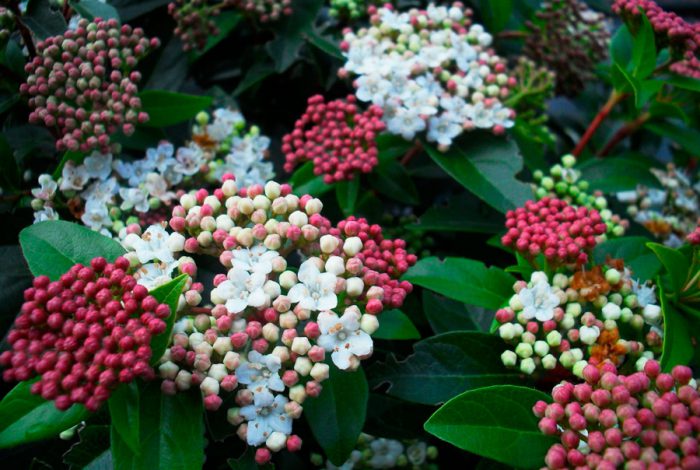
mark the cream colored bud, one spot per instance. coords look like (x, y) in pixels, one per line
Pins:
(320, 371)
(176, 242)
(272, 289)
(369, 323)
(232, 360)
(354, 286)
(297, 393)
(352, 246)
(276, 441)
(209, 386)
(288, 279)
(303, 366)
(217, 372)
(229, 188)
(329, 243)
(245, 205)
(222, 345)
(288, 320)
(183, 381)
(301, 345)
(224, 222)
(168, 370)
(271, 332)
(272, 190)
(298, 218)
(188, 201)
(313, 206)
(213, 202)
(282, 352)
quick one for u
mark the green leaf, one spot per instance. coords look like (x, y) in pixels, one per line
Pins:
(92, 451)
(391, 147)
(678, 347)
(686, 83)
(171, 432)
(634, 250)
(494, 422)
(225, 23)
(167, 294)
(68, 156)
(663, 109)
(392, 179)
(643, 50)
(53, 247)
(621, 173)
(647, 90)
(9, 170)
(325, 44)
(461, 213)
(124, 412)
(13, 57)
(130, 9)
(25, 417)
(247, 462)
(462, 279)
(676, 264)
(444, 366)
(337, 415)
(346, 193)
(258, 72)
(685, 136)
(92, 9)
(43, 20)
(446, 315)
(486, 165)
(624, 82)
(166, 108)
(304, 181)
(495, 13)
(293, 31)
(394, 324)
(621, 46)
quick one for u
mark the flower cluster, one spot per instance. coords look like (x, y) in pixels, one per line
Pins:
(671, 30)
(429, 70)
(83, 83)
(395, 223)
(7, 24)
(269, 325)
(576, 320)
(84, 334)
(648, 419)
(384, 260)
(351, 10)
(379, 452)
(107, 194)
(266, 10)
(565, 182)
(671, 212)
(570, 39)
(195, 20)
(562, 233)
(336, 137)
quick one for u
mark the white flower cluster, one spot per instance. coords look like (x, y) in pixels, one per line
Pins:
(429, 70)
(113, 192)
(670, 212)
(379, 452)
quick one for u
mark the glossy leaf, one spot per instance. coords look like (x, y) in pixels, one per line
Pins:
(92, 451)
(43, 20)
(446, 315)
(171, 432)
(225, 23)
(256, 74)
(461, 213)
(337, 415)
(494, 422)
(130, 9)
(444, 366)
(292, 34)
(678, 342)
(618, 174)
(643, 49)
(676, 264)
(496, 13)
(168, 294)
(166, 108)
(304, 181)
(92, 9)
(124, 413)
(641, 260)
(25, 417)
(462, 279)
(486, 165)
(685, 136)
(346, 193)
(392, 179)
(53, 247)
(394, 324)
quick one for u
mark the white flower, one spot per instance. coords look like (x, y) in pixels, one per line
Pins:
(152, 245)
(102, 191)
(153, 275)
(134, 198)
(372, 88)
(264, 420)
(47, 213)
(261, 374)
(443, 129)
(385, 452)
(138, 172)
(645, 294)
(161, 157)
(316, 290)
(406, 123)
(257, 259)
(73, 176)
(157, 186)
(417, 453)
(242, 289)
(98, 165)
(343, 336)
(189, 159)
(47, 190)
(96, 215)
(589, 334)
(538, 300)
(225, 121)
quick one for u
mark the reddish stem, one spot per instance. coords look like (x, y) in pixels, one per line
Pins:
(413, 151)
(23, 30)
(624, 132)
(614, 99)
(204, 310)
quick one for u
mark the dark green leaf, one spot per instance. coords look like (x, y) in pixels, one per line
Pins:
(495, 13)
(676, 264)
(225, 23)
(392, 179)
(92, 9)
(25, 417)
(621, 173)
(166, 108)
(256, 74)
(247, 462)
(337, 415)
(9, 170)
(444, 366)
(53, 247)
(461, 213)
(662, 109)
(486, 165)
(68, 156)
(621, 46)
(640, 259)
(7, 101)
(130, 9)
(29, 140)
(346, 193)
(293, 30)
(643, 50)
(446, 315)
(304, 181)
(13, 57)
(462, 279)
(623, 81)
(124, 412)
(686, 83)
(171, 432)
(168, 294)
(678, 347)
(392, 418)
(495, 422)
(325, 44)
(15, 277)
(685, 136)
(394, 324)
(391, 147)
(170, 71)
(92, 451)
(43, 20)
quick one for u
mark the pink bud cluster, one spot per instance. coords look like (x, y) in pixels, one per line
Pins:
(84, 334)
(195, 20)
(671, 30)
(266, 10)
(562, 233)
(384, 260)
(336, 137)
(646, 420)
(694, 237)
(83, 83)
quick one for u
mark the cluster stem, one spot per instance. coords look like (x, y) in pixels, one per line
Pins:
(615, 98)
